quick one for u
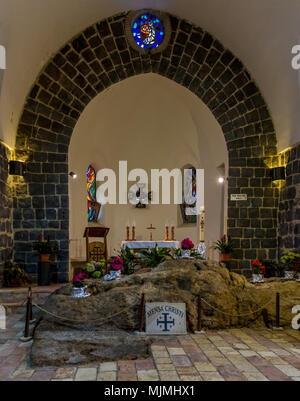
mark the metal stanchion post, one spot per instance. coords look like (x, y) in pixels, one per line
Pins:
(26, 336)
(199, 322)
(277, 322)
(141, 317)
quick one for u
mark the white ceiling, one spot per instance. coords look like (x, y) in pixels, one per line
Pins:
(260, 32)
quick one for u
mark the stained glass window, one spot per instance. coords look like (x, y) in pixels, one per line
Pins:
(93, 206)
(148, 31)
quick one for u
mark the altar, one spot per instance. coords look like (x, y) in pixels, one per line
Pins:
(150, 244)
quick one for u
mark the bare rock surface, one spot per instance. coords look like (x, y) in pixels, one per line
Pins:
(98, 328)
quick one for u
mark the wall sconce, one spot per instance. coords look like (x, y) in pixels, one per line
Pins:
(73, 175)
(16, 167)
(221, 180)
(278, 173)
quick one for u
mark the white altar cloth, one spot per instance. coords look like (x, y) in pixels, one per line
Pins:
(150, 244)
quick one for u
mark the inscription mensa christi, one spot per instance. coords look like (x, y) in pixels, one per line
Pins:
(165, 318)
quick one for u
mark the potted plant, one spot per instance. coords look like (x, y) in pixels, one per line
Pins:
(95, 269)
(186, 247)
(129, 261)
(15, 276)
(290, 261)
(117, 265)
(258, 271)
(155, 256)
(225, 248)
(79, 286)
(45, 249)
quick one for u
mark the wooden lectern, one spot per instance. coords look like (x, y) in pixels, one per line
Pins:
(95, 232)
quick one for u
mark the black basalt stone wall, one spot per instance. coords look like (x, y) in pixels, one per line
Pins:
(5, 210)
(289, 207)
(101, 56)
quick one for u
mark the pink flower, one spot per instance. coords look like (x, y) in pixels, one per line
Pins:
(117, 263)
(187, 244)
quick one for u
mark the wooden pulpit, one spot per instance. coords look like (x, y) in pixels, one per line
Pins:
(96, 232)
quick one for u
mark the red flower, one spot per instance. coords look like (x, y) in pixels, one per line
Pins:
(187, 244)
(117, 263)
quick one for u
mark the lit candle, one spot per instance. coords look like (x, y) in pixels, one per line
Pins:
(202, 223)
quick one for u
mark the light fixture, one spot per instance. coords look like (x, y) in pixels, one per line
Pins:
(221, 180)
(73, 175)
(278, 173)
(16, 167)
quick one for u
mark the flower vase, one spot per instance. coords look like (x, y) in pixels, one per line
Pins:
(80, 292)
(185, 253)
(257, 278)
(224, 257)
(289, 274)
(298, 277)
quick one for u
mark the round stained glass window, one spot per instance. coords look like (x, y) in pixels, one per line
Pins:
(148, 31)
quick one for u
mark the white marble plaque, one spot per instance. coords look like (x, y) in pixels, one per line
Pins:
(238, 197)
(165, 318)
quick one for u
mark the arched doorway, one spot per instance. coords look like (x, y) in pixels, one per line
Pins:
(101, 56)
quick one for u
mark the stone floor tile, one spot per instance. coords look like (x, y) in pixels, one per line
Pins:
(180, 360)
(165, 366)
(211, 376)
(163, 360)
(162, 354)
(42, 375)
(247, 353)
(65, 373)
(255, 376)
(176, 351)
(187, 370)
(191, 378)
(288, 370)
(273, 373)
(108, 366)
(168, 376)
(107, 376)
(86, 374)
(147, 375)
(126, 377)
(145, 364)
(204, 367)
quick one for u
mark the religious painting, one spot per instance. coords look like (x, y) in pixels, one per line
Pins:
(93, 205)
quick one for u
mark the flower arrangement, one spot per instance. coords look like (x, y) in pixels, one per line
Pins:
(79, 280)
(117, 263)
(129, 260)
(95, 269)
(224, 245)
(290, 261)
(187, 244)
(258, 267)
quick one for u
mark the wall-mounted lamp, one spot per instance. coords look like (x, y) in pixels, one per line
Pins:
(73, 175)
(221, 180)
(278, 173)
(16, 167)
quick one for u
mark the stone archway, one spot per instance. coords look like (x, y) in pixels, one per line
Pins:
(97, 58)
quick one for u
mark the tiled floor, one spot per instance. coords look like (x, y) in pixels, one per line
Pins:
(234, 355)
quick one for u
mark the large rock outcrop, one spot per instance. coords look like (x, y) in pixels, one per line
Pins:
(97, 327)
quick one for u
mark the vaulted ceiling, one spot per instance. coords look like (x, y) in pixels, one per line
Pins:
(260, 32)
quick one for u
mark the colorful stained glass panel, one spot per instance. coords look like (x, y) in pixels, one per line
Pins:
(148, 31)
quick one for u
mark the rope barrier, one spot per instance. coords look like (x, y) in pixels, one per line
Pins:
(239, 315)
(84, 321)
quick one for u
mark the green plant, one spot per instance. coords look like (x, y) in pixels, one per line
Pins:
(224, 245)
(15, 275)
(95, 269)
(129, 260)
(196, 255)
(289, 260)
(154, 256)
(45, 247)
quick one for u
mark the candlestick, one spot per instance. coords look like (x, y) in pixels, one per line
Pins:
(173, 233)
(166, 233)
(133, 234)
(127, 234)
(202, 227)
